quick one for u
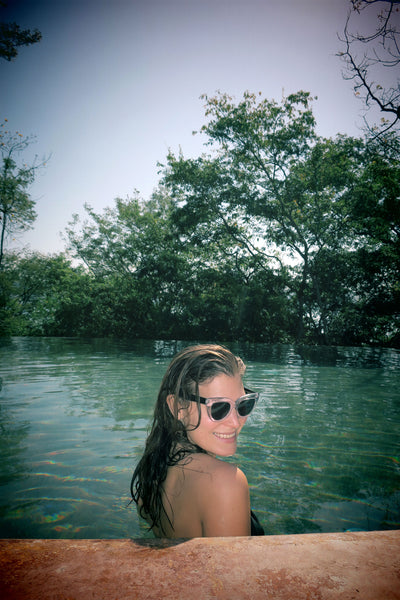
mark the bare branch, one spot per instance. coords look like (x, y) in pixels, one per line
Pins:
(367, 56)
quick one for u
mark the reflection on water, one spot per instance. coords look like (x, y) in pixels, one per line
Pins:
(321, 451)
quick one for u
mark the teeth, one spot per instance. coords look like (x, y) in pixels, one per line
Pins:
(225, 435)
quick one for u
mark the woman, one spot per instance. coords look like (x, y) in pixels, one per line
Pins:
(180, 486)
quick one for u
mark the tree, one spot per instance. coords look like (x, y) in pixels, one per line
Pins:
(123, 238)
(133, 247)
(17, 211)
(12, 37)
(374, 215)
(38, 290)
(152, 283)
(274, 189)
(369, 57)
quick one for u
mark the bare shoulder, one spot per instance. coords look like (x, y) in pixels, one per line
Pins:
(218, 471)
(227, 479)
(222, 494)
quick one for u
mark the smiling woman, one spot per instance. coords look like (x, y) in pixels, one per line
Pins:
(180, 486)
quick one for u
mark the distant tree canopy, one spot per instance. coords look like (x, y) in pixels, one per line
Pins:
(272, 235)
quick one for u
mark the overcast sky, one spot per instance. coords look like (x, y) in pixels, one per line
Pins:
(115, 83)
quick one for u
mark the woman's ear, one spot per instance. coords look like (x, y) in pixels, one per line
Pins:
(171, 403)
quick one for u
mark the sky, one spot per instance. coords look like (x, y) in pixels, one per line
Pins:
(114, 84)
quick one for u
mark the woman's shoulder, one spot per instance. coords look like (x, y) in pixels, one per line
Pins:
(222, 498)
(215, 472)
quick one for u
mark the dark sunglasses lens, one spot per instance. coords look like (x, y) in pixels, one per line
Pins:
(246, 406)
(219, 410)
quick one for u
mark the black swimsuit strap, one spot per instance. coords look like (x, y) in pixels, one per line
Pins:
(256, 527)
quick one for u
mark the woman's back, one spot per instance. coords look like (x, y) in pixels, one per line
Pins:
(205, 497)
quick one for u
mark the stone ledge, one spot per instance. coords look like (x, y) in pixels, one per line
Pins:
(332, 566)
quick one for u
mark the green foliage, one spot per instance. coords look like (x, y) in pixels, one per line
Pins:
(35, 285)
(275, 235)
(273, 190)
(17, 212)
(144, 280)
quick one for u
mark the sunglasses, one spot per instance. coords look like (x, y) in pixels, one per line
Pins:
(220, 408)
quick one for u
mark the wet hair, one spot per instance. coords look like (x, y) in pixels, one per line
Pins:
(168, 443)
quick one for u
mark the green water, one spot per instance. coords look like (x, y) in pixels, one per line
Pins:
(321, 451)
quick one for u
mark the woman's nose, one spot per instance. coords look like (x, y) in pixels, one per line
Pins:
(233, 418)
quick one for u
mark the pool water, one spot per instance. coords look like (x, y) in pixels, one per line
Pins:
(321, 451)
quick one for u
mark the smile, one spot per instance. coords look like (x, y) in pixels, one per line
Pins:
(225, 436)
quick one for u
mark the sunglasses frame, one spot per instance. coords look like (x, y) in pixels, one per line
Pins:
(232, 403)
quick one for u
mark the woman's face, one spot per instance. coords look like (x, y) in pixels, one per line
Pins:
(216, 437)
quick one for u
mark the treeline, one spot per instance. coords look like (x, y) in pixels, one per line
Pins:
(273, 235)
